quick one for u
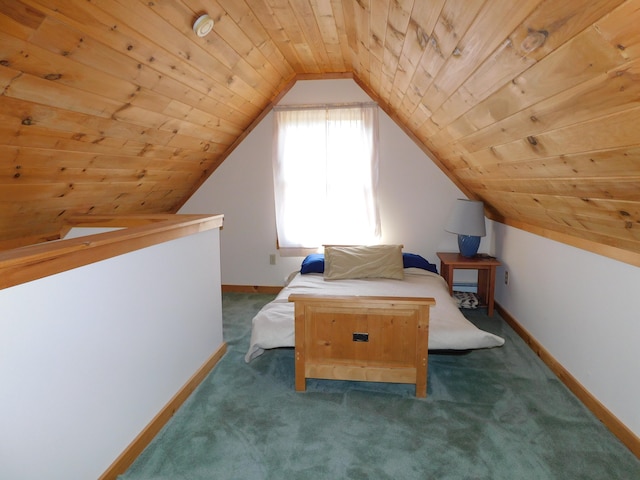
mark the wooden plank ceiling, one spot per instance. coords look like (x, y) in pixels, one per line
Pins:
(117, 107)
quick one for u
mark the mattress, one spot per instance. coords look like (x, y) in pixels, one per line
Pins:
(273, 326)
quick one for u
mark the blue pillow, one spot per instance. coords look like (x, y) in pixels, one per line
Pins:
(416, 261)
(313, 263)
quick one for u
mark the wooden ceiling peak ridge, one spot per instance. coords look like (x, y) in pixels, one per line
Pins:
(117, 107)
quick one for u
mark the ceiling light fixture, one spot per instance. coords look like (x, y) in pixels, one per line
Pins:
(203, 25)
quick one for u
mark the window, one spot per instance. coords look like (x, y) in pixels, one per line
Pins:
(325, 167)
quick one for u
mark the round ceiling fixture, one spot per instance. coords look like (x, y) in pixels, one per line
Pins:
(203, 25)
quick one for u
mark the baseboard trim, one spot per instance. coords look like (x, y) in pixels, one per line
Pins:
(619, 429)
(135, 448)
(250, 289)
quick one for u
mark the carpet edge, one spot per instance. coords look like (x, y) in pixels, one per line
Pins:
(617, 427)
(135, 448)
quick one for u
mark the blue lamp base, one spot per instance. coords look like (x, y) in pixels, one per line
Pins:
(468, 245)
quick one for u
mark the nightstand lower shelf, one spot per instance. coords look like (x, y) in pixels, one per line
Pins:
(486, 268)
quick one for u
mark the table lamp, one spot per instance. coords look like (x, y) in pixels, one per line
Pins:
(467, 221)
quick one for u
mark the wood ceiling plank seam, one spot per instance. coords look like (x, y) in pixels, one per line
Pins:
(454, 20)
(553, 22)
(580, 59)
(343, 36)
(351, 33)
(597, 97)
(22, 14)
(80, 82)
(62, 39)
(79, 124)
(504, 64)
(295, 32)
(228, 29)
(306, 16)
(500, 17)
(163, 122)
(362, 21)
(328, 27)
(45, 138)
(66, 73)
(18, 157)
(396, 33)
(615, 162)
(248, 23)
(217, 82)
(377, 33)
(127, 41)
(36, 61)
(627, 237)
(620, 28)
(515, 205)
(166, 36)
(258, 73)
(426, 146)
(183, 111)
(422, 20)
(267, 18)
(621, 188)
(45, 92)
(44, 175)
(214, 46)
(609, 132)
(13, 27)
(48, 190)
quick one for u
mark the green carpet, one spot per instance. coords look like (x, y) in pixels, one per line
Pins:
(489, 414)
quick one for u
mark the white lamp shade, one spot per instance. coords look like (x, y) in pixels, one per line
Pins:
(467, 218)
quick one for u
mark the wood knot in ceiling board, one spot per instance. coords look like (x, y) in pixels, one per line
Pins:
(53, 76)
(27, 121)
(534, 40)
(457, 52)
(532, 140)
(376, 39)
(624, 213)
(5, 63)
(399, 34)
(423, 38)
(433, 41)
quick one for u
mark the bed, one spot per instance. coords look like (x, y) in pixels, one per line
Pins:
(356, 289)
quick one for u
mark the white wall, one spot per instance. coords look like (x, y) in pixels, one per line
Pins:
(415, 196)
(88, 357)
(582, 307)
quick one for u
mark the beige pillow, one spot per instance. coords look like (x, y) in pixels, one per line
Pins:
(375, 261)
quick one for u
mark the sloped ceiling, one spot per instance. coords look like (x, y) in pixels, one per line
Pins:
(116, 106)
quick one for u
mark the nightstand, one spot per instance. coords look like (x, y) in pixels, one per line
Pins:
(486, 267)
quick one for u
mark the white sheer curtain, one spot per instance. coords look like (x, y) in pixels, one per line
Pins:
(325, 168)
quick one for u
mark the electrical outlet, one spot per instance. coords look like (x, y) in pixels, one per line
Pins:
(506, 277)
(272, 259)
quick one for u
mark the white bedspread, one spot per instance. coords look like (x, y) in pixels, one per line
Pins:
(273, 326)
